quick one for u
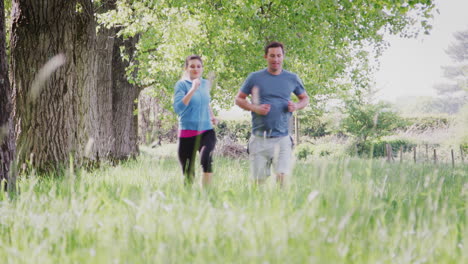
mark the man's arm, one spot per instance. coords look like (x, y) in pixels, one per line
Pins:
(242, 102)
(303, 102)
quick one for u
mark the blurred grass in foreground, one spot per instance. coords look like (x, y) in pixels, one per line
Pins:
(332, 211)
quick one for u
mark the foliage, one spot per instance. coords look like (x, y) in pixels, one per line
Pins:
(378, 147)
(307, 151)
(312, 123)
(141, 212)
(7, 14)
(156, 124)
(464, 146)
(457, 73)
(367, 121)
(331, 146)
(461, 135)
(238, 131)
(321, 41)
(455, 92)
(422, 123)
(303, 151)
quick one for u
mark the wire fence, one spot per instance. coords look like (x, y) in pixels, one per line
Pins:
(425, 153)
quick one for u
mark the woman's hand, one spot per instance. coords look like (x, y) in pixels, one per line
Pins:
(214, 121)
(195, 84)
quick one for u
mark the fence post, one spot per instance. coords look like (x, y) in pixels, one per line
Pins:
(414, 154)
(427, 152)
(462, 154)
(453, 159)
(387, 152)
(435, 156)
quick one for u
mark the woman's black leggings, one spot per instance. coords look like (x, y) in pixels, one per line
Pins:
(188, 147)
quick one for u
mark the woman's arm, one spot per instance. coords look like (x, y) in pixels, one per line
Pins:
(214, 120)
(195, 84)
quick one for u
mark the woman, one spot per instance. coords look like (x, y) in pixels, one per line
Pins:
(192, 105)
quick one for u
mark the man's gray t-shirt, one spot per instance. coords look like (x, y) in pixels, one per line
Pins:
(274, 90)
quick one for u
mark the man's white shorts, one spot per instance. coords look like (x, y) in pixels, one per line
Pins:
(264, 152)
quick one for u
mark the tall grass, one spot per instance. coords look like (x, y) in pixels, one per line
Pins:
(332, 211)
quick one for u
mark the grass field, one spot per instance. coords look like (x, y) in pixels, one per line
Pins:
(332, 211)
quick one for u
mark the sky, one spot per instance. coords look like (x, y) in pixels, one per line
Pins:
(411, 67)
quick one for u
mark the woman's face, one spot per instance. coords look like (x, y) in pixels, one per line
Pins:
(194, 69)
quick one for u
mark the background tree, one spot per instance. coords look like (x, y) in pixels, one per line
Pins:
(124, 97)
(321, 38)
(84, 101)
(454, 94)
(370, 121)
(85, 108)
(7, 146)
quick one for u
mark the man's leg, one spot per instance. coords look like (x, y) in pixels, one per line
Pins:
(283, 159)
(259, 162)
(280, 179)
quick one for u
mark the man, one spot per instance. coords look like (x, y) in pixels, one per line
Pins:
(271, 108)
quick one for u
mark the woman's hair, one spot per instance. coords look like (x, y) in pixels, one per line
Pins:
(192, 57)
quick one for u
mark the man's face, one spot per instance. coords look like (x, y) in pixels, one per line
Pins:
(274, 59)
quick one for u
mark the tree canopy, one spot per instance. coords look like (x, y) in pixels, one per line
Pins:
(326, 40)
(454, 93)
(458, 72)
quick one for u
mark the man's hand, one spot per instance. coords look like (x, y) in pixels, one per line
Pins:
(262, 109)
(292, 106)
(259, 109)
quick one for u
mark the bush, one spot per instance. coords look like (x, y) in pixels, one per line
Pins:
(464, 147)
(231, 149)
(428, 122)
(238, 131)
(313, 126)
(303, 151)
(369, 122)
(378, 147)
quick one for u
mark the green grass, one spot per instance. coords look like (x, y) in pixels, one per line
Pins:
(332, 211)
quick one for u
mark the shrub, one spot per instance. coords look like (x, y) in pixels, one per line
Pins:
(378, 147)
(313, 126)
(303, 151)
(428, 122)
(464, 147)
(232, 149)
(235, 130)
(369, 122)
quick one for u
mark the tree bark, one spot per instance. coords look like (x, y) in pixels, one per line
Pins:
(102, 95)
(85, 108)
(62, 118)
(124, 95)
(7, 147)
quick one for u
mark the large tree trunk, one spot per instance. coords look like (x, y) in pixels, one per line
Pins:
(123, 105)
(62, 118)
(85, 108)
(6, 128)
(104, 139)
